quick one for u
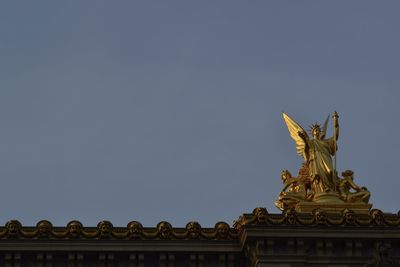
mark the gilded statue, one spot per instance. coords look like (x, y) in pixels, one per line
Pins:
(346, 184)
(317, 179)
(316, 151)
(294, 190)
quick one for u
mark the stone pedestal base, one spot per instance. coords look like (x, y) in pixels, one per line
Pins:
(327, 198)
(331, 203)
(309, 207)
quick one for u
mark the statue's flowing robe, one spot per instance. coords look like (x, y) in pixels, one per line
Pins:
(320, 161)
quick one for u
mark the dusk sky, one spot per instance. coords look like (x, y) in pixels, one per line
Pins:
(172, 110)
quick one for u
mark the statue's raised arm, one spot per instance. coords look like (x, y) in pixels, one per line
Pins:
(336, 125)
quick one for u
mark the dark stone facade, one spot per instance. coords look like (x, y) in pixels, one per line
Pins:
(257, 239)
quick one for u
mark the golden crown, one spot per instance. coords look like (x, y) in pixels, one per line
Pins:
(315, 126)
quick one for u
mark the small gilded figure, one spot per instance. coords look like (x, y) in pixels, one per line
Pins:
(347, 184)
(295, 189)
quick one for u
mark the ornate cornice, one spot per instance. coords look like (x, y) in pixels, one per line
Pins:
(375, 218)
(105, 230)
(193, 231)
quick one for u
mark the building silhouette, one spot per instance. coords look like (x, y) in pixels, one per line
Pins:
(289, 239)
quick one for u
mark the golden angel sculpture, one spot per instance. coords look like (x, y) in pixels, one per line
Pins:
(317, 181)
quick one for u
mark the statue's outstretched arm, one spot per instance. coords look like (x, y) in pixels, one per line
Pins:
(336, 124)
(354, 186)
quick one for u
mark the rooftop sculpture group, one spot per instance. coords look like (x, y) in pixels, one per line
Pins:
(318, 184)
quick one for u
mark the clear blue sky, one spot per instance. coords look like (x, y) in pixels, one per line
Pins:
(171, 110)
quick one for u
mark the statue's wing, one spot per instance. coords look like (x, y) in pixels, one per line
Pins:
(325, 128)
(294, 129)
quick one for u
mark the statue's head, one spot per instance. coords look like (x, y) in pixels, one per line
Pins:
(13, 227)
(164, 230)
(105, 228)
(316, 131)
(222, 229)
(44, 228)
(285, 175)
(135, 229)
(194, 229)
(320, 216)
(74, 228)
(348, 174)
(377, 216)
(261, 214)
(349, 217)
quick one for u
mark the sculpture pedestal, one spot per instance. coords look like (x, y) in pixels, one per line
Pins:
(331, 203)
(309, 207)
(327, 198)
